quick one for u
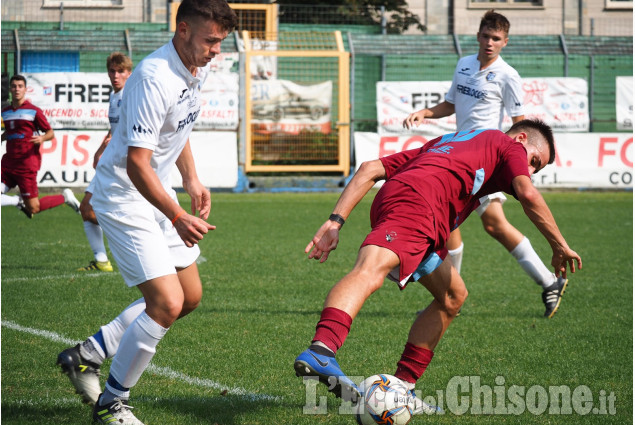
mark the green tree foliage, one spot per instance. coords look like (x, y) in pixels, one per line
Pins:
(351, 12)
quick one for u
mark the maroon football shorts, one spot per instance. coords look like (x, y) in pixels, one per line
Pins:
(26, 181)
(403, 222)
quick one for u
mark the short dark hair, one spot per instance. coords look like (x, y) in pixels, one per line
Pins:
(17, 77)
(119, 60)
(534, 127)
(494, 21)
(211, 10)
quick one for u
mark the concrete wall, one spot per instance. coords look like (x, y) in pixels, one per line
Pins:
(569, 17)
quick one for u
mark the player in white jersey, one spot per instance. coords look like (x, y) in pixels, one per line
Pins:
(152, 238)
(119, 67)
(483, 87)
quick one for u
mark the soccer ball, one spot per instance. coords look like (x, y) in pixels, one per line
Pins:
(385, 400)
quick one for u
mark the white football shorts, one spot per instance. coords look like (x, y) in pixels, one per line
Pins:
(144, 242)
(487, 199)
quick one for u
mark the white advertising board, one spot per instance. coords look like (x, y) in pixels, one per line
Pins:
(67, 159)
(624, 102)
(560, 102)
(79, 100)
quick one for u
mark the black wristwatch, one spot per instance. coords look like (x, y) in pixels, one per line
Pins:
(338, 219)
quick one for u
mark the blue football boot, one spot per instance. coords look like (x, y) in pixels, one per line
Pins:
(310, 363)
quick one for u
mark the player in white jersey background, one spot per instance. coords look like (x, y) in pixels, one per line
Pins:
(119, 67)
(152, 238)
(484, 87)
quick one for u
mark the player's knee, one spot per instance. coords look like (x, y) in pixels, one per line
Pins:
(455, 300)
(496, 229)
(169, 312)
(189, 305)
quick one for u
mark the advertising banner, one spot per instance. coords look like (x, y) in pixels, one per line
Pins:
(624, 102)
(583, 160)
(67, 160)
(283, 106)
(79, 100)
(560, 102)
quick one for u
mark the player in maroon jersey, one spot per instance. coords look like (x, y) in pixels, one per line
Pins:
(428, 192)
(23, 123)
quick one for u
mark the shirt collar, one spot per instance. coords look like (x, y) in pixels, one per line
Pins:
(180, 68)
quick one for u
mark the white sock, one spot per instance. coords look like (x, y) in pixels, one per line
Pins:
(113, 331)
(95, 237)
(456, 256)
(137, 348)
(10, 200)
(91, 351)
(532, 264)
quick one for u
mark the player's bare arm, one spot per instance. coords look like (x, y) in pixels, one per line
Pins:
(190, 228)
(199, 195)
(441, 110)
(39, 139)
(538, 212)
(101, 148)
(327, 236)
(517, 118)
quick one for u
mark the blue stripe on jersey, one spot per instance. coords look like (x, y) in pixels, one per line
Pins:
(20, 114)
(461, 136)
(427, 266)
(479, 178)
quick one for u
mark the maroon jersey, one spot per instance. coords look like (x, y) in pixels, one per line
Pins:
(20, 125)
(451, 173)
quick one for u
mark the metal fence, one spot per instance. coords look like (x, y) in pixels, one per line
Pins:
(427, 18)
(43, 35)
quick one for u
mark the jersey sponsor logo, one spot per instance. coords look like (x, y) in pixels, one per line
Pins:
(478, 94)
(182, 99)
(138, 129)
(15, 136)
(490, 76)
(391, 236)
(191, 117)
(465, 69)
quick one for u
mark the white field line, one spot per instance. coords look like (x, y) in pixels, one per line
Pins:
(165, 372)
(58, 276)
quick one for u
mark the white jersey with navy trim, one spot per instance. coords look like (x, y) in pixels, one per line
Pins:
(158, 109)
(481, 96)
(114, 110)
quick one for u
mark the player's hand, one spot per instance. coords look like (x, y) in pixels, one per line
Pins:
(200, 197)
(191, 229)
(37, 140)
(564, 257)
(324, 241)
(414, 119)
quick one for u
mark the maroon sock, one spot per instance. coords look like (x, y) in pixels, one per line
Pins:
(51, 201)
(333, 328)
(414, 361)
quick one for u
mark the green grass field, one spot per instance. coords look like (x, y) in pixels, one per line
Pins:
(231, 361)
